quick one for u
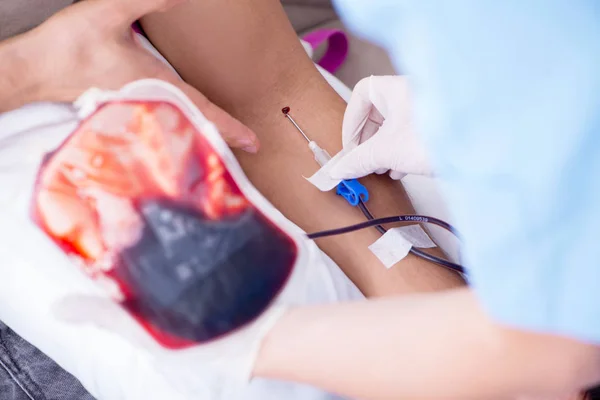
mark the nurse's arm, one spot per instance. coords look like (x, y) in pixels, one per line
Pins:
(431, 346)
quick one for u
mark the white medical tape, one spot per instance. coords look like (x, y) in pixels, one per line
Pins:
(396, 243)
(416, 236)
(321, 179)
(390, 248)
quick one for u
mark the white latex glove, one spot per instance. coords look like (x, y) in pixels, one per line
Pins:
(378, 133)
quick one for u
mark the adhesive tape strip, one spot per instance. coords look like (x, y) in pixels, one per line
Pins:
(416, 236)
(321, 179)
(395, 244)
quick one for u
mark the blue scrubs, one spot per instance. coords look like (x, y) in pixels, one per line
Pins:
(508, 102)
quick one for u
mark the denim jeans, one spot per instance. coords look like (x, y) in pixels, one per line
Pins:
(28, 374)
(594, 394)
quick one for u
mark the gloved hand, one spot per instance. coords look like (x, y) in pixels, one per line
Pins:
(378, 133)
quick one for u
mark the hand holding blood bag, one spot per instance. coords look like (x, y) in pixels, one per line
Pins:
(143, 202)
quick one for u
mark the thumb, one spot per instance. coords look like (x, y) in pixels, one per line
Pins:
(357, 114)
(235, 133)
(361, 161)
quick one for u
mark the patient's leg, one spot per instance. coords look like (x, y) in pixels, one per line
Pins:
(245, 56)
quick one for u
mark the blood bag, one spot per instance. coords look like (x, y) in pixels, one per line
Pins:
(147, 199)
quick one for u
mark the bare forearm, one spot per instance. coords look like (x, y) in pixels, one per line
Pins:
(421, 346)
(245, 55)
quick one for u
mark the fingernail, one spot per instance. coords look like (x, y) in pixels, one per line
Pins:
(248, 144)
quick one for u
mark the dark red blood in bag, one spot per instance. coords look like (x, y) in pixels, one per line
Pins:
(143, 203)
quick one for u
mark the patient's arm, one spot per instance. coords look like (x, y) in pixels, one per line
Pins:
(245, 56)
